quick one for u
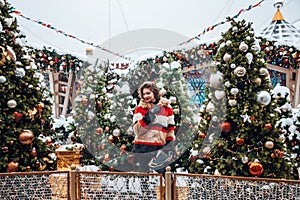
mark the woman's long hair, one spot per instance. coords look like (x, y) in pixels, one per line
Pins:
(151, 86)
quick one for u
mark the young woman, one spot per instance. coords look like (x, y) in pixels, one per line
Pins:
(153, 127)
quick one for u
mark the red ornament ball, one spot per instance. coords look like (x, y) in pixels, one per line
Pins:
(255, 168)
(12, 167)
(201, 135)
(225, 127)
(240, 141)
(268, 126)
(111, 139)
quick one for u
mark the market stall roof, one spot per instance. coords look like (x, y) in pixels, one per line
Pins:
(281, 30)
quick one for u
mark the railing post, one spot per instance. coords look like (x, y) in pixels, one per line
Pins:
(72, 184)
(168, 180)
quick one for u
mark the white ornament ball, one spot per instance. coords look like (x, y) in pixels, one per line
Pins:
(269, 144)
(2, 79)
(214, 118)
(234, 91)
(245, 159)
(112, 118)
(173, 99)
(232, 66)
(228, 43)
(116, 132)
(240, 71)
(263, 97)
(226, 57)
(263, 71)
(175, 65)
(90, 79)
(234, 29)
(227, 84)
(12, 103)
(222, 45)
(206, 151)
(243, 46)
(210, 107)
(232, 102)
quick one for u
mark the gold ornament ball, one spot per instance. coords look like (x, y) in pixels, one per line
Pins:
(26, 137)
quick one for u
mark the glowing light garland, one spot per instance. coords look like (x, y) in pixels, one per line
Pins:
(220, 23)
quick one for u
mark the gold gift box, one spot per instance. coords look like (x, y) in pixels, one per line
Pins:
(67, 158)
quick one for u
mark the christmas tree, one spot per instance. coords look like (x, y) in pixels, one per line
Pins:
(94, 120)
(25, 116)
(238, 135)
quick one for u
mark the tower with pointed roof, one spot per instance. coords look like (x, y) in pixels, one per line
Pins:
(280, 30)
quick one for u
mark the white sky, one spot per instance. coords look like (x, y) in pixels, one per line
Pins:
(91, 21)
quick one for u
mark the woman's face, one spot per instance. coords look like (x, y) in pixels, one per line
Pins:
(148, 95)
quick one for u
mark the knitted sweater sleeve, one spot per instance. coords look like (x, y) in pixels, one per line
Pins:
(171, 125)
(139, 127)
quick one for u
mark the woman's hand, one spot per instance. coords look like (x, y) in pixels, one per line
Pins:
(150, 115)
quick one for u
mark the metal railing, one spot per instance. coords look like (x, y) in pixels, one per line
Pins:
(209, 187)
(78, 185)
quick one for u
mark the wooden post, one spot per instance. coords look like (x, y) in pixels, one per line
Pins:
(297, 88)
(73, 186)
(168, 186)
(56, 93)
(67, 94)
(51, 82)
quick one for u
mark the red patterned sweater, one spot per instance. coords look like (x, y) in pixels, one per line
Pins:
(157, 133)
